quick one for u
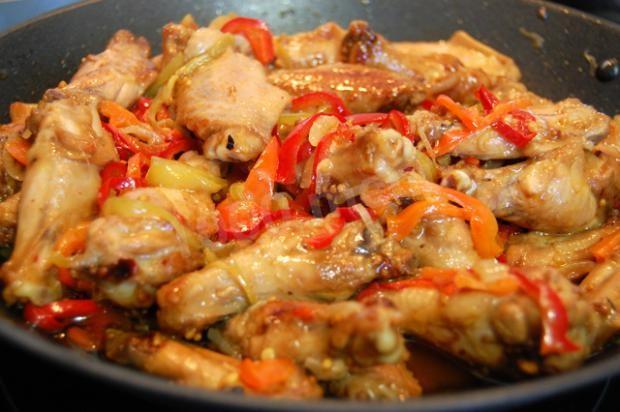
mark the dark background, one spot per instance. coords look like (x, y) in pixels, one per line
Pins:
(30, 384)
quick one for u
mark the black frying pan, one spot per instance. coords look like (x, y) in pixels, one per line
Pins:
(38, 54)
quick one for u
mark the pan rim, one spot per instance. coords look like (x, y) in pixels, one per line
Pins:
(520, 393)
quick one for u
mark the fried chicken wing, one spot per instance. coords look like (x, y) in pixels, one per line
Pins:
(230, 105)
(549, 193)
(277, 265)
(327, 339)
(364, 89)
(61, 183)
(195, 366)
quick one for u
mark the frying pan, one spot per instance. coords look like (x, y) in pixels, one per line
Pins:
(37, 54)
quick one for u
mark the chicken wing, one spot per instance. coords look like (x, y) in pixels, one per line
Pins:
(308, 49)
(569, 254)
(549, 193)
(378, 383)
(230, 105)
(363, 89)
(377, 156)
(498, 331)
(195, 366)
(277, 265)
(62, 179)
(327, 339)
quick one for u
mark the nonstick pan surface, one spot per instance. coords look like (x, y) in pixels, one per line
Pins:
(38, 54)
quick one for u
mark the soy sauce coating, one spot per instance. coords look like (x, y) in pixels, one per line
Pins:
(608, 70)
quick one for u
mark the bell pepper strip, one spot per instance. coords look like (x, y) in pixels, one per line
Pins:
(265, 376)
(484, 228)
(289, 152)
(466, 116)
(516, 137)
(113, 176)
(400, 123)
(317, 99)
(495, 111)
(55, 316)
(18, 149)
(137, 166)
(118, 116)
(487, 99)
(554, 316)
(322, 149)
(72, 240)
(449, 140)
(403, 224)
(395, 119)
(174, 174)
(74, 283)
(260, 182)
(606, 247)
(361, 119)
(245, 220)
(141, 107)
(334, 223)
(257, 34)
(502, 109)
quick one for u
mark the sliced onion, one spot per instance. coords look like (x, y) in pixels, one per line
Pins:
(374, 227)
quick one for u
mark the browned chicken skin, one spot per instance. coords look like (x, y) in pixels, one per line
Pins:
(381, 382)
(276, 265)
(548, 193)
(309, 49)
(377, 156)
(195, 366)
(62, 180)
(364, 89)
(327, 339)
(230, 106)
(499, 332)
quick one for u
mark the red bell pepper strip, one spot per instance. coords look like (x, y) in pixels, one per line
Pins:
(257, 34)
(400, 123)
(516, 137)
(487, 99)
(323, 147)
(244, 220)
(124, 143)
(396, 119)
(553, 313)
(359, 119)
(334, 225)
(291, 147)
(141, 107)
(519, 135)
(56, 316)
(332, 100)
(114, 178)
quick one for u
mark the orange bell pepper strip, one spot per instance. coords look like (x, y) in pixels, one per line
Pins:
(118, 116)
(265, 376)
(18, 149)
(72, 240)
(403, 224)
(260, 182)
(604, 248)
(469, 119)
